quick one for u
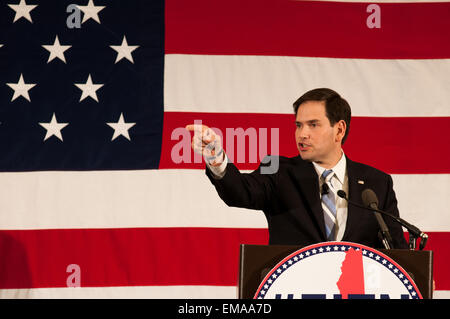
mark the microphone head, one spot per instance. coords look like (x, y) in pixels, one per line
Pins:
(342, 194)
(369, 198)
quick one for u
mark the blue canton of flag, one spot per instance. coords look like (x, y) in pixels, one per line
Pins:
(81, 84)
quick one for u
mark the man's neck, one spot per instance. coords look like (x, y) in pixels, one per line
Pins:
(330, 163)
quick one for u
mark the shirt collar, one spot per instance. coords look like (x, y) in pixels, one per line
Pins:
(338, 169)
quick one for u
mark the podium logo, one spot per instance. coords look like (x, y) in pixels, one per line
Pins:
(337, 270)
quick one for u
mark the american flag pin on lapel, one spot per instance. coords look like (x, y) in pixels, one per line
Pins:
(360, 182)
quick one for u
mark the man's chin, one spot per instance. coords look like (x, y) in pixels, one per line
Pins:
(306, 156)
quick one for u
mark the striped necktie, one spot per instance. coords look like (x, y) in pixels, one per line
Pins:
(329, 206)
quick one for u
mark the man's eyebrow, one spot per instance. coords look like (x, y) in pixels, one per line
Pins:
(309, 122)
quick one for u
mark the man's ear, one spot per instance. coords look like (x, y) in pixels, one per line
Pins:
(341, 129)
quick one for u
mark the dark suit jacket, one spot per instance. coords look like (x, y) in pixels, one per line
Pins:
(291, 202)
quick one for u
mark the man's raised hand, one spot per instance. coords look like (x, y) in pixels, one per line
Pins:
(207, 143)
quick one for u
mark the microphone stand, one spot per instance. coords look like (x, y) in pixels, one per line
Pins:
(383, 234)
(414, 232)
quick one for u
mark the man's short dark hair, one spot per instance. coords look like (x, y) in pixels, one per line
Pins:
(336, 108)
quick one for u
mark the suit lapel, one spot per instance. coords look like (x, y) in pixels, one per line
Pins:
(308, 182)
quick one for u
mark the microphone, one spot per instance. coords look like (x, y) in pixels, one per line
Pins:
(369, 198)
(413, 230)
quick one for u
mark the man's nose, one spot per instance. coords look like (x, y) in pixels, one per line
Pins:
(302, 133)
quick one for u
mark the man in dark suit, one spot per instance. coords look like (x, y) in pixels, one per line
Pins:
(299, 197)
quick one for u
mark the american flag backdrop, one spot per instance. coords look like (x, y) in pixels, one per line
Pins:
(100, 198)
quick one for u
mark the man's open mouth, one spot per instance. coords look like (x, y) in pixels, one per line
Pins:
(304, 146)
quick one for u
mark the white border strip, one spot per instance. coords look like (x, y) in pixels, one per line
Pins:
(270, 84)
(140, 292)
(130, 292)
(116, 199)
(170, 198)
(441, 294)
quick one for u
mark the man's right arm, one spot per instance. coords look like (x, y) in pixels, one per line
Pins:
(247, 190)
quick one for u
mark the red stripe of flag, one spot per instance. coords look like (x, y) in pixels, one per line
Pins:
(413, 143)
(144, 256)
(124, 256)
(307, 28)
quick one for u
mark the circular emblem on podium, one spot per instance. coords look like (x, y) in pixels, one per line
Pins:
(337, 270)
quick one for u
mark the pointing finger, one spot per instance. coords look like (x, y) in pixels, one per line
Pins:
(196, 127)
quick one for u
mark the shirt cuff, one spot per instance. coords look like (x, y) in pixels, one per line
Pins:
(218, 171)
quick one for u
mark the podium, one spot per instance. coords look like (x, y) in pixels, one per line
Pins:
(257, 260)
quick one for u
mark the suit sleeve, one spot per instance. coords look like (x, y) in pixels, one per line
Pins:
(390, 207)
(247, 190)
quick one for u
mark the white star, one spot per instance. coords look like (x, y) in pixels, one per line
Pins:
(20, 89)
(53, 128)
(56, 50)
(89, 89)
(91, 11)
(22, 10)
(121, 128)
(124, 50)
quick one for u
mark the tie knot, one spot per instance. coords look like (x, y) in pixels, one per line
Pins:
(327, 173)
